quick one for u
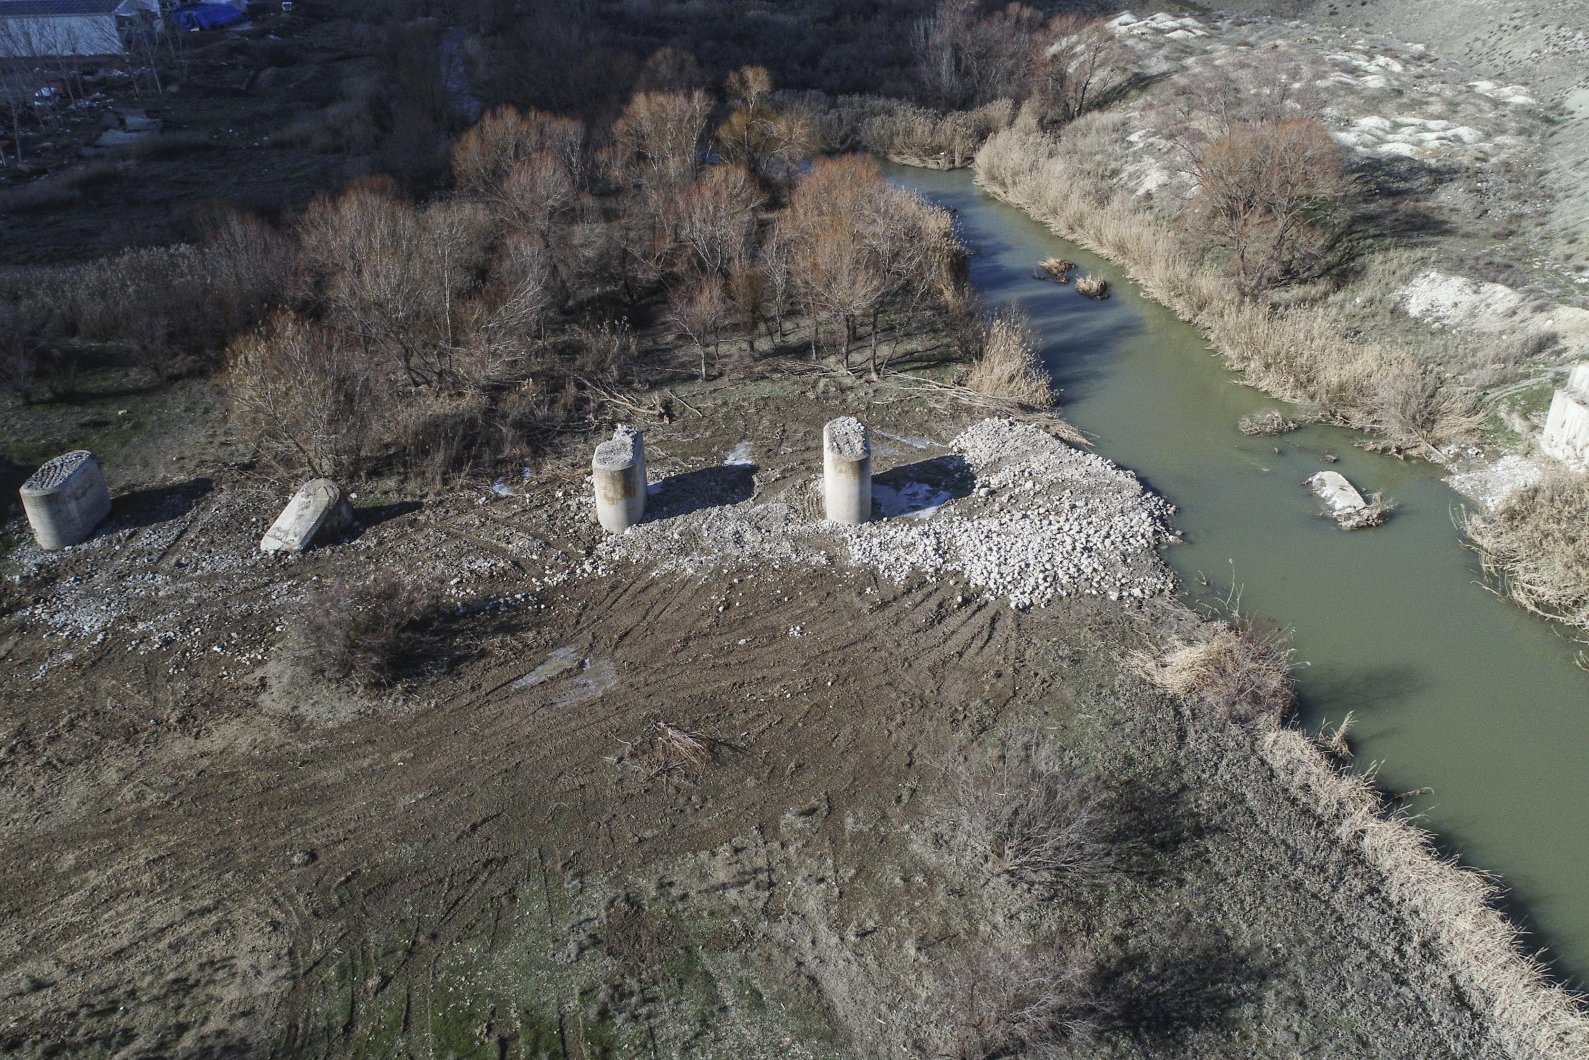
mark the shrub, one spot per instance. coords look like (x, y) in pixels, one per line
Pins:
(1537, 546)
(1000, 1002)
(1032, 820)
(1008, 367)
(299, 391)
(376, 632)
(1094, 287)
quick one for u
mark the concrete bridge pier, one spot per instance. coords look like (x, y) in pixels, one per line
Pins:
(846, 471)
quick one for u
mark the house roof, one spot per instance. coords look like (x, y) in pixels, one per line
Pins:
(47, 8)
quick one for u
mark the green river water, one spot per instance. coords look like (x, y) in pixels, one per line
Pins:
(1459, 696)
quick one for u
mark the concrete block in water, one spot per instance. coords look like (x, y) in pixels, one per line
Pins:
(65, 499)
(318, 508)
(1339, 495)
(846, 471)
(618, 471)
(1566, 434)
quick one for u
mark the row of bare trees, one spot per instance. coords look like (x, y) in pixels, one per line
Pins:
(479, 312)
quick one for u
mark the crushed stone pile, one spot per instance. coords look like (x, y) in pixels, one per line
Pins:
(1041, 521)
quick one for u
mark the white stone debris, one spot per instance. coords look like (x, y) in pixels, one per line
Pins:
(1566, 435)
(1459, 302)
(1043, 522)
(1492, 484)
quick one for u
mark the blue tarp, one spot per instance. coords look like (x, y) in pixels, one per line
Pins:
(205, 16)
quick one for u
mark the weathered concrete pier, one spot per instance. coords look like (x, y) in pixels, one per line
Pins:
(65, 499)
(846, 471)
(618, 471)
(1566, 434)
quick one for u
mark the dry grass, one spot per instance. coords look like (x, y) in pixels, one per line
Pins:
(1029, 819)
(376, 632)
(1235, 672)
(1057, 269)
(1537, 546)
(1374, 513)
(1008, 366)
(1453, 908)
(667, 750)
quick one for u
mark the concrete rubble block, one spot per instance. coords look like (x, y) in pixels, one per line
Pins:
(1339, 495)
(618, 471)
(1566, 434)
(846, 471)
(319, 509)
(65, 499)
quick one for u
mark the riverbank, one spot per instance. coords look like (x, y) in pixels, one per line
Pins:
(695, 787)
(1139, 387)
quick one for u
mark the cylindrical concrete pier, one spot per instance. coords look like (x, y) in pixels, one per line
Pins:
(619, 472)
(846, 471)
(65, 499)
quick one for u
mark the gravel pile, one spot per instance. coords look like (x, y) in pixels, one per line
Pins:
(1041, 521)
(1044, 521)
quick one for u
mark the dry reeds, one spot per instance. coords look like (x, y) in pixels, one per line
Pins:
(1527, 1015)
(1235, 671)
(1374, 513)
(1265, 423)
(1008, 366)
(1057, 269)
(1537, 546)
(1301, 353)
(997, 1001)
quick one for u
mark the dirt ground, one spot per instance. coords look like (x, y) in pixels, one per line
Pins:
(211, 852)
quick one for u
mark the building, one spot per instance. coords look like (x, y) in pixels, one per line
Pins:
(67, 28)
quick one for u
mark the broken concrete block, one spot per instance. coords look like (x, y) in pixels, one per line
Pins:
(318, 509)
(1566, 434)
(65, 499)
(1339, 495)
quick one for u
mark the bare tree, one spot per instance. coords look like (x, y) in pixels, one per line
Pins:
(301, 394)
(715, 220)
(699, 315)
(658, 136)
(487, 154)
(1076, 63)
(964, 58)
(1271, 195)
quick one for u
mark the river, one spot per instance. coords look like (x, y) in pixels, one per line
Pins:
(1463, 700)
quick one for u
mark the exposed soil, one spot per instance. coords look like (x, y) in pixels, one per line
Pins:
(696, 812)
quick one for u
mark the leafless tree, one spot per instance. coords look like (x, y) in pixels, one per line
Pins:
(301, 394)
(1073, 64)
(715, 220)
(698, 314)
(965, 58)
(1271, 195)
(658, 136)
(487, 154)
